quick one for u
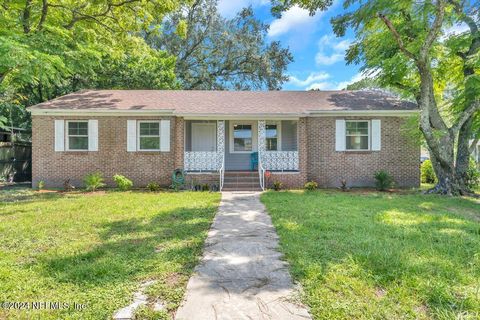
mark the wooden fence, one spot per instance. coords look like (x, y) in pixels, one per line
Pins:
(16, 161)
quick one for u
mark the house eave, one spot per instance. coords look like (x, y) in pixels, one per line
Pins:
(383, 113)
(100, 112)
(220, 116)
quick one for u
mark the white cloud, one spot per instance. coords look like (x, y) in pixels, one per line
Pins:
(294, 18)
(229, 8)
(312, 77)
(457, 29)
(325, 85)
(454, 30)
(331, 50)
(334, 85)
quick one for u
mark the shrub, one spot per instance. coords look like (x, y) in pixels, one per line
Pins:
(277, 185)
(153, 186)
(122, 182)
(41, 185)
(67, 186)
(427, 173)
(383, 180)
(94, 181)
(473, 175)
(205, 187)
(311, 185)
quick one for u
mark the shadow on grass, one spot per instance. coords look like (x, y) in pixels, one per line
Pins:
(134, 247)
(393, 240)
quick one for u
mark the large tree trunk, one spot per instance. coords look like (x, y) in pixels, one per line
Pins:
(463, 153)
(440, 140)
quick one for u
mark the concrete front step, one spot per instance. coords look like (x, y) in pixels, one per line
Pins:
(241, 181)
(241, 189)
(241, 174)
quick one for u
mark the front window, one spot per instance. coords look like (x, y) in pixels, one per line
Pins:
(271, 137)
(242, 137)
(149, 135)
(77, 135)
(357, 135)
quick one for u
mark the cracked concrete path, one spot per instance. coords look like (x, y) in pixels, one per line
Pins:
(241, 275)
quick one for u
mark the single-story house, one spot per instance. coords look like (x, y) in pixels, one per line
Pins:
(232, 138)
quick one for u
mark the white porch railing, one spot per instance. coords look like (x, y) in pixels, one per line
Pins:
(279, 160)
(203, 160)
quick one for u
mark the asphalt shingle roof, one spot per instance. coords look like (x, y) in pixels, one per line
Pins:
(227, 102)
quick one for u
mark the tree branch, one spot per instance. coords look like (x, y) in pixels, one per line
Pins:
(474, 107)
(26, 16)
(434, 29)
(43, 17)
(396, 35)
(472, 146)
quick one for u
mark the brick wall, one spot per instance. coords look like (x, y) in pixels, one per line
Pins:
(111, 158)
(318, 159)
(193, 179)
(398, 155)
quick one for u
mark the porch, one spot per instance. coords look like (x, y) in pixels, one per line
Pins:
(241, 145)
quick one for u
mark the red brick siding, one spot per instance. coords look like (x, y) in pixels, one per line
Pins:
(318, 159)
(193, 179)
(111, 158)
(398, 155)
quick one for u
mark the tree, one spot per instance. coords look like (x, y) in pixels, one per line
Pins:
(217, 53)
(53, 47)
(406, 43)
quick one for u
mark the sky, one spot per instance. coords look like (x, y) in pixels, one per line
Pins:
(318, 54)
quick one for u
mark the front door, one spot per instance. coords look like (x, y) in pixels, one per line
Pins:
(203, 137)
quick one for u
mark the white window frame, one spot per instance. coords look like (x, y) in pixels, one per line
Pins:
(67, 136)
(138, 135)
(279, 135)
(369, 135)
(254, 125)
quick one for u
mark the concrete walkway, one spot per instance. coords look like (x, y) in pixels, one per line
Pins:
(241, 275)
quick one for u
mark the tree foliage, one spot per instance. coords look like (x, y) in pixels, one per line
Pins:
(217, 53)
(53, 47)
(407, 45)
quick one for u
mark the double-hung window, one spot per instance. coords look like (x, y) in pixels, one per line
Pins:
(242, 138)
(357, 135)
(77, 135)
(272, 136)
(149, 135)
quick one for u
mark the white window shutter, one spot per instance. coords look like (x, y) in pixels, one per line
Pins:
(376, 135)
(340, 135)
(131, 135)
(92, 135)
(59, 135)
(165, 135)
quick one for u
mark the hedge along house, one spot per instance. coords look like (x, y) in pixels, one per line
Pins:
(324, 136)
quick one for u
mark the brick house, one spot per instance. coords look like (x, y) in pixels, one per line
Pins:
(216, 136)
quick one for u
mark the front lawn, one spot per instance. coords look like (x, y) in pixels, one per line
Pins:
(381, 256)
(97, 249)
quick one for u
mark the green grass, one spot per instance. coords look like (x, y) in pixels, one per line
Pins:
(380, 255)
(97, 249)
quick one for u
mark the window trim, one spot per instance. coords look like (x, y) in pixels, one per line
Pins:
(369, 136)
(279, 134)
(67, 136)
(254, 125)
(139, 136)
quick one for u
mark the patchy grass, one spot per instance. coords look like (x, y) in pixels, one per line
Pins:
(381, 256)
(96, 249)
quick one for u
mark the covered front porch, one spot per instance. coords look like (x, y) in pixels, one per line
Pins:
(241, 145)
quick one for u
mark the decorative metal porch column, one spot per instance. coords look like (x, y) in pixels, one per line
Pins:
(262, 136)
(220, 143)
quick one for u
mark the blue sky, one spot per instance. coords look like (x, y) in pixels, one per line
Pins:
(318, 55)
